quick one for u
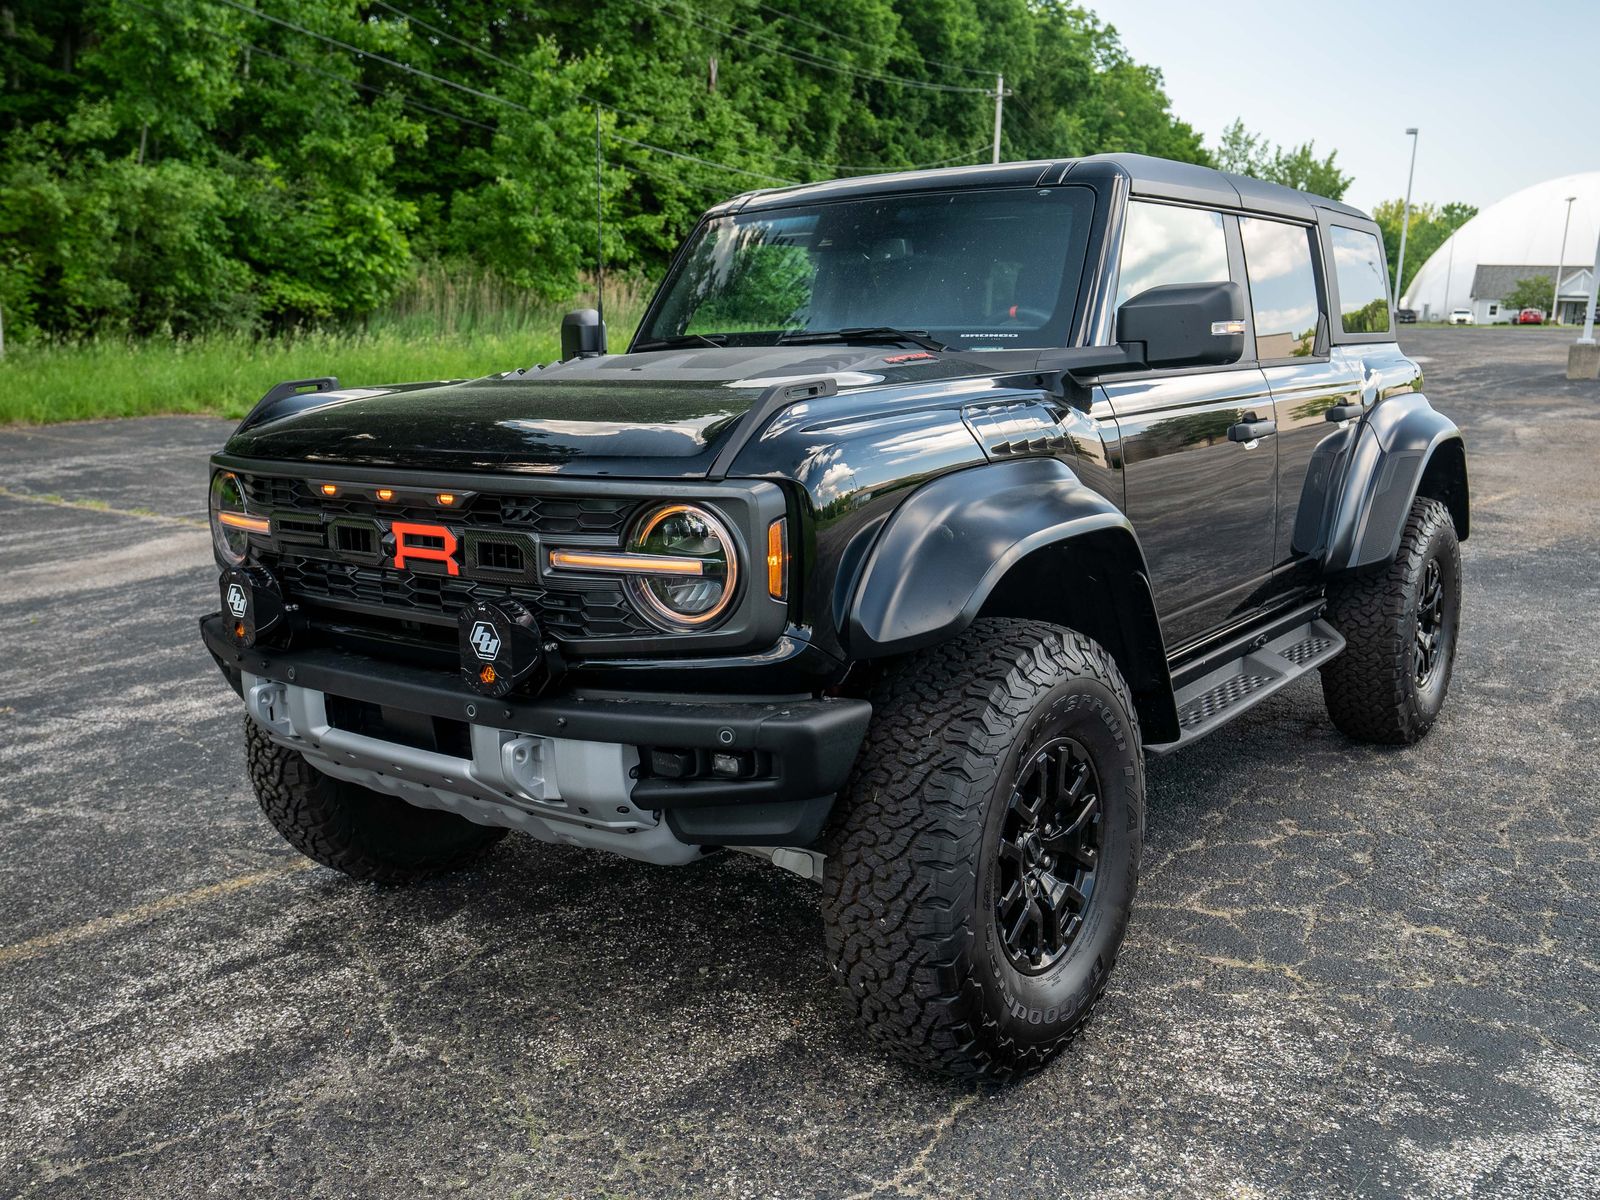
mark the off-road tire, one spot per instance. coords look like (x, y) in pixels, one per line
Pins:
(365, 834)
(1371, 689)
(910, 926)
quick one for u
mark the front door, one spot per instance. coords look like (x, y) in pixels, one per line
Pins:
(1203, 504)
(1198, 450)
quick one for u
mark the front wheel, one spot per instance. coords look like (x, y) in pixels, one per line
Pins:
(1400, 626)
(982, 871)
(353, 829)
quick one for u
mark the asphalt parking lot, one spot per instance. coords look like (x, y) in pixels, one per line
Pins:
(1350, 970)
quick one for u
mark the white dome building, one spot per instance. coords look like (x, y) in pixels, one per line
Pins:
(1516, 238)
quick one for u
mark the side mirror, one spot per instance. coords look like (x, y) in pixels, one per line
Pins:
(1186, 324)
(583, 334)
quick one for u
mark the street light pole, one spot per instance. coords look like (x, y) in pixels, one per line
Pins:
(1583, 356)
(1405, 219)
(1594, 286)
(1555, 292)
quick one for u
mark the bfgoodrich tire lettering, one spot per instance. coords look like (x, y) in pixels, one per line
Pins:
(1400, 626)
(909, 891)
(353, 829)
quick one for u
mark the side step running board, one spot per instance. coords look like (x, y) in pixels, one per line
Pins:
(1218, 696)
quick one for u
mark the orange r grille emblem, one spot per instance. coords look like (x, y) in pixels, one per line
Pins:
(428, 543)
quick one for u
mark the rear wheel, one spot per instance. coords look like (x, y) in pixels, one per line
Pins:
(981, 874)
(1400, 626)
(353, 829)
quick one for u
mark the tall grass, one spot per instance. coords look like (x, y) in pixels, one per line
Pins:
(442, 325)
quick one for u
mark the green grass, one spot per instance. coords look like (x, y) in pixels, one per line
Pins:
(439, 328)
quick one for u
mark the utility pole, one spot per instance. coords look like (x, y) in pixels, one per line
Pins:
(599, 227)
(1405, 222)
(1555, 292)
(999, 110)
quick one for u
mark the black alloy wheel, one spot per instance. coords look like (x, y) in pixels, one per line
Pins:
(1048, 853)
(1430, 623)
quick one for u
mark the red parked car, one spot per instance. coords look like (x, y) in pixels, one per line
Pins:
(1530, 316)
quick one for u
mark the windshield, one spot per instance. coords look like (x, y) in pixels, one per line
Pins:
(991, 269)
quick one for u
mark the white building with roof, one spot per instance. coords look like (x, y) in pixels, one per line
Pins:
(1516, 238)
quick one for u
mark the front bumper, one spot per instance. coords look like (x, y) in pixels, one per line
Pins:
(806, 747)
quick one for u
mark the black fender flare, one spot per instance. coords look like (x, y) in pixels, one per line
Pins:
(943, 553)
(1401, 442)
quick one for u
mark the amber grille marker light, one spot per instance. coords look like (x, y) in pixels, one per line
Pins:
(777, 558)
(329, 489)
(446, 498)
(385, 494)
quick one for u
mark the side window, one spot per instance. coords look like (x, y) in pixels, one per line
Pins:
(1163, 244)
(1283, 287)
(1363, 281)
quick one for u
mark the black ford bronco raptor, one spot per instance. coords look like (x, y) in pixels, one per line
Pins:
(920, 508)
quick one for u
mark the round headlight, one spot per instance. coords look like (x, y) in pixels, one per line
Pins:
(685, 532)
(230, 519)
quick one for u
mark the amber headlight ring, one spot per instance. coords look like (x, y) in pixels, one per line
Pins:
(672, 597)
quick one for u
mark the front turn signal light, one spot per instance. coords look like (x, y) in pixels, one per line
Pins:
(777, 558)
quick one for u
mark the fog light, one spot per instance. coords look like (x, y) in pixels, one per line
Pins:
(501, 647)
(672, 764)
(255, 605)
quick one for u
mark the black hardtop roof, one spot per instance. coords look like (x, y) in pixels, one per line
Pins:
(1160, 178)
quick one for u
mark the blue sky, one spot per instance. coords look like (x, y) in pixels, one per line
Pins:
(1505, 94)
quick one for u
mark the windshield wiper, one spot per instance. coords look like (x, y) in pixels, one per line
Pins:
(864, 333)
(684, 339)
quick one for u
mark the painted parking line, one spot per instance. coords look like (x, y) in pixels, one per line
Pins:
(54, 501)
(100, 926)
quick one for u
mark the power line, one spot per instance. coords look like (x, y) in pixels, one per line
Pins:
(740, 34)
(845, 37)
(490, 56)
(403, 97)
(490, 96)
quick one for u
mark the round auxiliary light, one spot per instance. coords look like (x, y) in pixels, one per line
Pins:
(230, 518)
(685, 531)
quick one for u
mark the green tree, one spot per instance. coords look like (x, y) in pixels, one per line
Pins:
(1533, 292)
(1431, 225)
(1244, 153)
(194, 164)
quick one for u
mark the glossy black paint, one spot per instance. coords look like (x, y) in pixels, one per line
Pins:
(665, 414)
(947, 547)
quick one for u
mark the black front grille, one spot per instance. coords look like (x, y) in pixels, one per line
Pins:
(594, 515)
(330, 553)
(599, 610)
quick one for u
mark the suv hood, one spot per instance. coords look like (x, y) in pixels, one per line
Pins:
(656, 414)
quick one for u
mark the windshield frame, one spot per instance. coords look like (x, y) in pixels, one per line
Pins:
(1073, 305)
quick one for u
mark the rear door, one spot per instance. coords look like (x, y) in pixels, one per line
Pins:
(1291, 334)
(1203, 504)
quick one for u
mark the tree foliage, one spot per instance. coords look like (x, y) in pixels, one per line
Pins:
(1246, 153)
(1431, 224)
(1533, 292)
(182, 165)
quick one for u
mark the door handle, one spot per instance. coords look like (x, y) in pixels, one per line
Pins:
(1343, 412)
(1249, 431)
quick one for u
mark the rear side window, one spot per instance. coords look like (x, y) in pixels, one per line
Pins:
(1283, 287)
(1162, 244)
(1363, 281)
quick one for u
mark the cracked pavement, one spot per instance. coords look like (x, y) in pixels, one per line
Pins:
(1350, 970)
